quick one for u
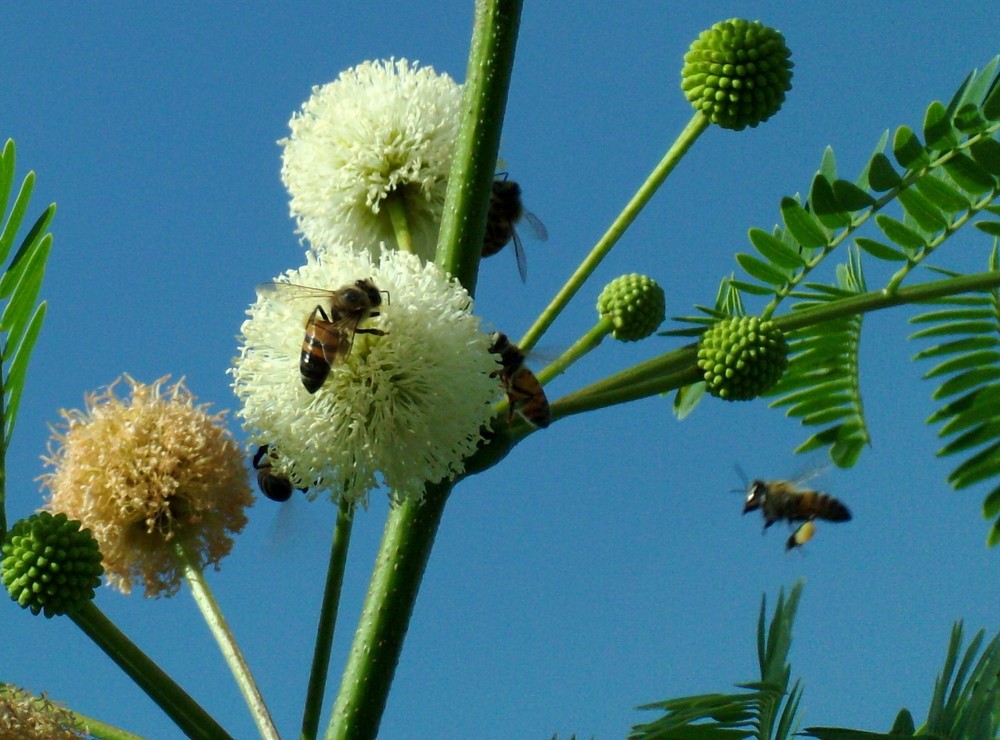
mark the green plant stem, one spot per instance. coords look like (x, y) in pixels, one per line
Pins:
(679, 367)
(396, 204)
(412, 526)
(227, 643)
(101, 730)
(582, 346)
(698, 123)
(399, 567)
(194, 721)
(487, 79)
(327, 620)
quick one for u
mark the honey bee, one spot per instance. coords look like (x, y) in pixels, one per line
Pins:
(782, 499)
(525, 394)
(802, 534)
(330, 333)
(275, 487)
(506, 210)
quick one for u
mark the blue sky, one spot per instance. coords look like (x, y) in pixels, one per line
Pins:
(605, 563)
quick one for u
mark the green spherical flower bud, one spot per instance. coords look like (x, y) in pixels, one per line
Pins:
(737, 73)
(635, 304)
(50, 564)
(742, 357)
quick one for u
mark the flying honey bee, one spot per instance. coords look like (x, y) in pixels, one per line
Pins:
(330, 333)
(275, 487)
(506, 210)
(525, 394)
(782, 499)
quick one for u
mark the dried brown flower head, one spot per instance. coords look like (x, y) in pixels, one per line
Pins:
(29, 717)
(144, 473)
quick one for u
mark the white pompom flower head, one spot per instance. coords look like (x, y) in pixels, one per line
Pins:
(403, 408)
(383, 130)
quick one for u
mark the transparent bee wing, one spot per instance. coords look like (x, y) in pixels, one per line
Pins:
(265, 290)
(522, 259)
(538, 229)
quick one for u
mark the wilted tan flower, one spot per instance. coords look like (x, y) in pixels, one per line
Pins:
(145, 471)
(28, 717)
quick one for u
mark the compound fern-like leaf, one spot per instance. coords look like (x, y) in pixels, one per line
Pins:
(969, 364)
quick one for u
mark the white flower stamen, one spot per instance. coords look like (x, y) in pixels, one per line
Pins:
(382, 129)
(404, 408)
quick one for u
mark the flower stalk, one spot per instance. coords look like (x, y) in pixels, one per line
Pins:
(589, 341)
(678, 368)
(491, 59)
(396, 203)
(412, 524)
(685, 140)
(230, 650)
(327, 620)
(194, 721)
(399, 567)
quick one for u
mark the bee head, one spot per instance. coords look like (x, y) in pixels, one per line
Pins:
(498, 342)
(367, 287)
(756, 493)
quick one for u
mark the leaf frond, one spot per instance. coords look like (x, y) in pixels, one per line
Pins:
(968, 364)
(821, 386)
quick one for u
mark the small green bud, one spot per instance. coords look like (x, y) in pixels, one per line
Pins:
(635, 304)
(50, 564)
(737, 73)
(742, 357)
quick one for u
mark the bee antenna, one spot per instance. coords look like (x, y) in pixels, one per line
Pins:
(742, 475)
(502, 175)
(388, 302)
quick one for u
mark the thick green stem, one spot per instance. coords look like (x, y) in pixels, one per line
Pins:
(399, 567)
(491, 58)
(216, 622)
(679, 367)
(411, 527)
(327, 620)
(642, 196)
(194, 721)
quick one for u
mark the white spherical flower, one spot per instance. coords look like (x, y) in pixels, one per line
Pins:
(404, 407)
(382, 129)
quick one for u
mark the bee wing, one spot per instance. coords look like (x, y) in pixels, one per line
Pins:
(522, 260)
(538, 229)
(292, 289)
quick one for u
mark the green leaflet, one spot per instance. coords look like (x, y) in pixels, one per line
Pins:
(969, 369)
(908, 150)
(752, 713)
(821, 386)
(21, 319)
(881, 175)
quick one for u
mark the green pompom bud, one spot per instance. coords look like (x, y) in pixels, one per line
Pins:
(635, 304)
(737, 73)
(50, 564)
(742, 357)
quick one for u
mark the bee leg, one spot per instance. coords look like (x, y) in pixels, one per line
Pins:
(376, 332)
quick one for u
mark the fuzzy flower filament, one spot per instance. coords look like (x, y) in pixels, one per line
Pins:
(380, 137)
(403, 408)
(141, 471)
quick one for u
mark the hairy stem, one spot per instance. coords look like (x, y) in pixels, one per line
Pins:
(491, 58)
(399, 568)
